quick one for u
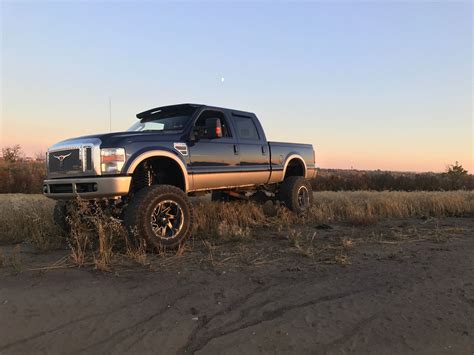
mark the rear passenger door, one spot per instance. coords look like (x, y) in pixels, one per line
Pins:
(254, 160)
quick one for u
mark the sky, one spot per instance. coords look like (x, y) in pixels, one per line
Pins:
(371, 84)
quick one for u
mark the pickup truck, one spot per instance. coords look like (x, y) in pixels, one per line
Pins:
(172, 152)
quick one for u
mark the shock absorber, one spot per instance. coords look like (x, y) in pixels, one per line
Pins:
(143, 177)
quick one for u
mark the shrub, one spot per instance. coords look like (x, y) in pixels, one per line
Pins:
(22, 177)
(456, 178)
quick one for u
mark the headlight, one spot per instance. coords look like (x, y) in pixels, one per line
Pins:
(112, 160)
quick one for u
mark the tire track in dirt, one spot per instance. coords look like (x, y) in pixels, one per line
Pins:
(234, 305)
(131, 327)
(196, 342)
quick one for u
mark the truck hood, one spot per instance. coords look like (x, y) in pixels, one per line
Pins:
(118, 139)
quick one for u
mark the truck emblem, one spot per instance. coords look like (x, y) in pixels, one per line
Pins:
(182, 148)
(61, 158)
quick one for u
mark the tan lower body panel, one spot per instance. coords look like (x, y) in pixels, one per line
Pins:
(277, 176)
(228, 180)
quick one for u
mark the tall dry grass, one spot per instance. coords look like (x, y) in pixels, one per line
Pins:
(98, 237)
(359, 205)
(358, 208)
(28, 217)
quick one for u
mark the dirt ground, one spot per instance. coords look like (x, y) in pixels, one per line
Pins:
(401, 286)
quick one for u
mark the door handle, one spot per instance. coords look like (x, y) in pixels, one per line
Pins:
(264, 150)
(236, 149)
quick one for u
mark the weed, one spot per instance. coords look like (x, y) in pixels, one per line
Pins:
(347, 243)
(210, 248)
(138, 252)
(232, 231)
(304, 247)
(342, 259)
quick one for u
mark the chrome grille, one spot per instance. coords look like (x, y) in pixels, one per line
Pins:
(65, 160)
(75, 157)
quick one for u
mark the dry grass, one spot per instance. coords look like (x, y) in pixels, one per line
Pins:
(97, 238)
(366, 205)
(28, 217)
(359, 208)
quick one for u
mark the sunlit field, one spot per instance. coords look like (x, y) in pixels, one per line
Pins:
(30, 217)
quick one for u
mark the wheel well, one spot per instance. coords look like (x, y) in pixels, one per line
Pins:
(158, 171)
(295, 168)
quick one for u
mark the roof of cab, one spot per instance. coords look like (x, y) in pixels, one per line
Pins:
(184, 107)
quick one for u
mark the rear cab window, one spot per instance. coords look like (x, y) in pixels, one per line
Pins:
(245, 127)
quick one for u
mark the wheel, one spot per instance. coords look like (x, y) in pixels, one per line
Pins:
(60, 214)
(296, 193)
(161, 214)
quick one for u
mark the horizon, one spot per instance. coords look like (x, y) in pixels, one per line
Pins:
(373, 86)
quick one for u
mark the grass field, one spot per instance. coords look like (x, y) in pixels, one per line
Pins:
(29, 217)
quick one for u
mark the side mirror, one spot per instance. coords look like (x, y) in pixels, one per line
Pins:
(213, 128)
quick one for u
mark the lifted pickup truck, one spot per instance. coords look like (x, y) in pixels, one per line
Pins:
(176, 151)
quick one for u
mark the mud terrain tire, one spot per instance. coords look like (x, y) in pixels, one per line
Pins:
(296, 193)
(161, 214)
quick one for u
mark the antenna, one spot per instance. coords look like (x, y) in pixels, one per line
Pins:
(110, 114)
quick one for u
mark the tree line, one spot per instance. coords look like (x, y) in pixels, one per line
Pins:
(454, 178)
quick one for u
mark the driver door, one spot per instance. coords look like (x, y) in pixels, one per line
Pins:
(213, 162)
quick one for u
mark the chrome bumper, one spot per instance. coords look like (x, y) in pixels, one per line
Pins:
(87, 188)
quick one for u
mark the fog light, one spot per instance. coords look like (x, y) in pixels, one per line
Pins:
(45, 189)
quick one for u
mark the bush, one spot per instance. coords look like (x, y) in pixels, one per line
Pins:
(354, 180)
(22, 177)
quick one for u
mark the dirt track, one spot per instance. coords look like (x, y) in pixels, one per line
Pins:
(410, 297)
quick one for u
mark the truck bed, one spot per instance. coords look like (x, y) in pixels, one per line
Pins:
(282, 152)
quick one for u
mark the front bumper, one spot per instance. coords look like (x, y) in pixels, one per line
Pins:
(87, 188)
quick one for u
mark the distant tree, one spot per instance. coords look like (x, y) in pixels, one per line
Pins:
(12, 154)
(456, 170)
(457, 176)
(40, 156)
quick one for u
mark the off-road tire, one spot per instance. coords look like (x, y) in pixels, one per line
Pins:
(289, 193)
(138, 215)
(60, 214)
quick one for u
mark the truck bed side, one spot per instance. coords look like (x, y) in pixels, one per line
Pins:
(281, 154)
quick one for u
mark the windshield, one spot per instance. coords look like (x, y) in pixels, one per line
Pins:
(165, 124)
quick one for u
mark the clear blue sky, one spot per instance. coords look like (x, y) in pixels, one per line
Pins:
(371, 84)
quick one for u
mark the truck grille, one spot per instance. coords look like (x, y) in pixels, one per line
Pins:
(76, 157)
(65, 160)
(70, 160)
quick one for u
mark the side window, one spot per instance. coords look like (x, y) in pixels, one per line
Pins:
(246, 128)
(201, 122)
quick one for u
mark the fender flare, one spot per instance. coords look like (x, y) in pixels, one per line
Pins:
(159, 153)
(290, 158)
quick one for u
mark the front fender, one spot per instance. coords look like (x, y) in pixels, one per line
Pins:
(135, 159)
